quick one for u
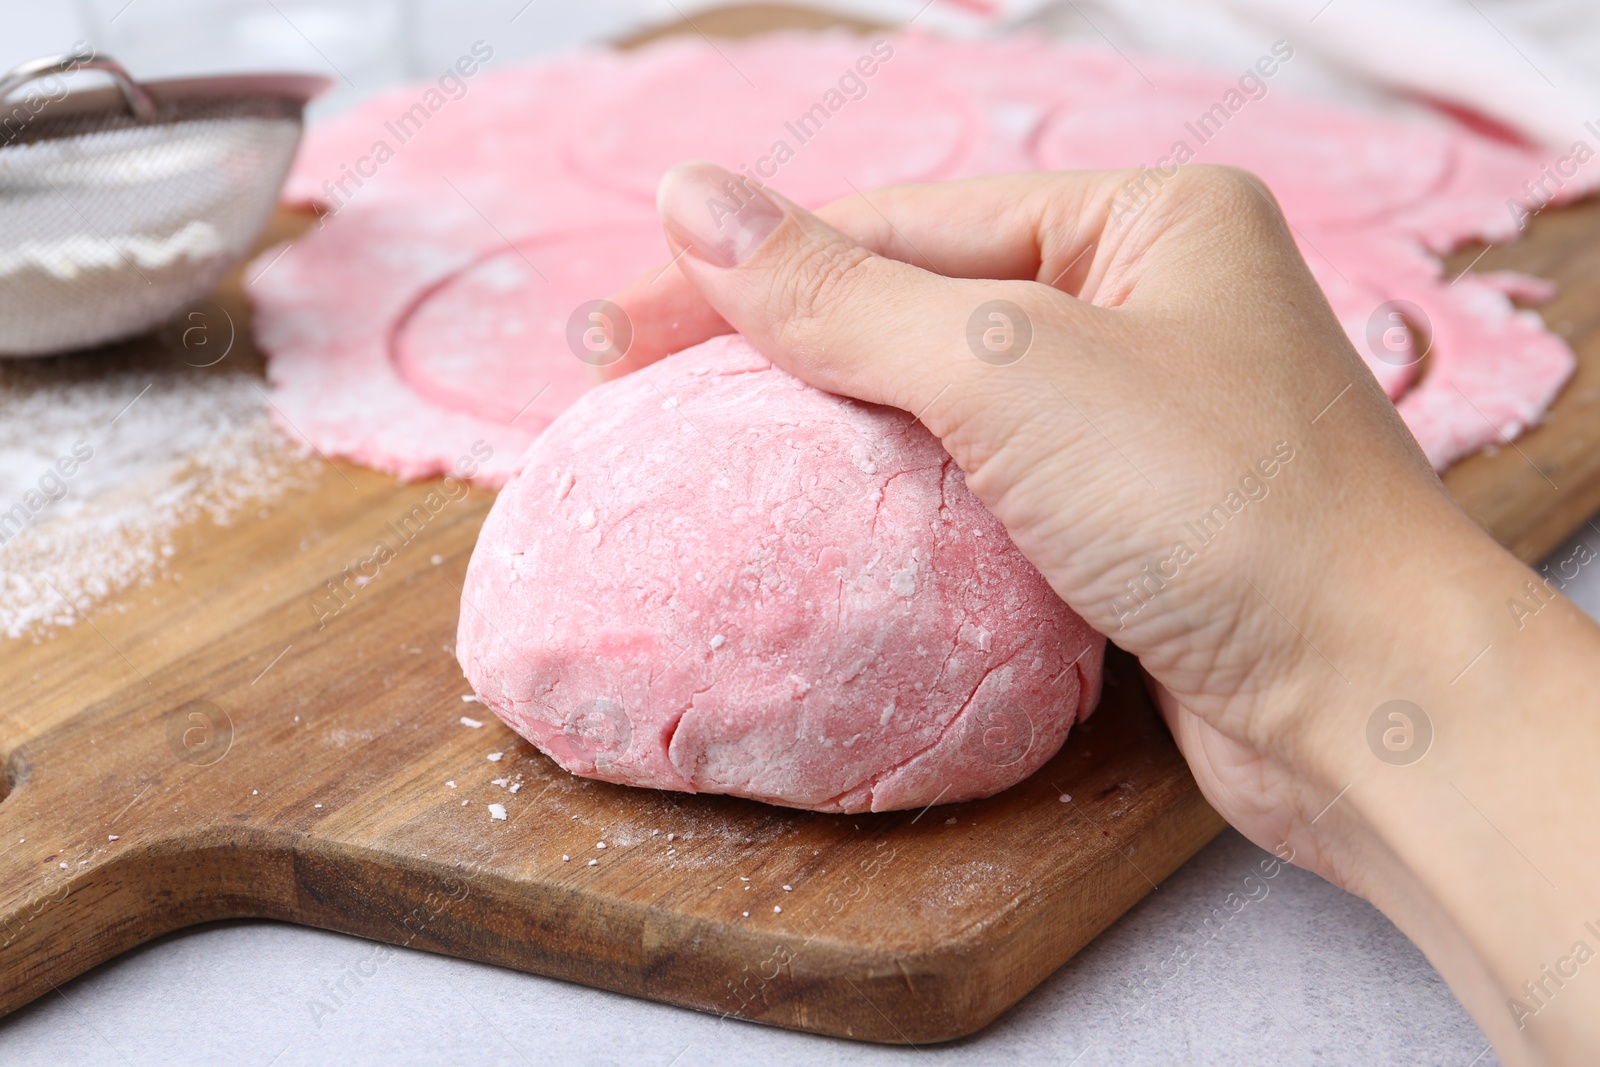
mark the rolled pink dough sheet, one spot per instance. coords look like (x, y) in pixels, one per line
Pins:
(709, 576)
(427, 314)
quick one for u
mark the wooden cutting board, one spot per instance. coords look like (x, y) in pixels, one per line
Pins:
(206, 748)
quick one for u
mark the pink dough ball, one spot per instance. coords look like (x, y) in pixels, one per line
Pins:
(709, 576)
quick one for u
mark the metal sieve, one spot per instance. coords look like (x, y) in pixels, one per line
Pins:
(120, 206)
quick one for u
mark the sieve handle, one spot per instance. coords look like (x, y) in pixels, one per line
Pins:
(140, 102)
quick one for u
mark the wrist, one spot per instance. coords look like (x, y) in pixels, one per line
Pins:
(1464, 813)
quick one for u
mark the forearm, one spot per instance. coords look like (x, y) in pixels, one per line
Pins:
(1483, 847)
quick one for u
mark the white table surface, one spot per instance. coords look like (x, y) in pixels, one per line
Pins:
(1306, 974)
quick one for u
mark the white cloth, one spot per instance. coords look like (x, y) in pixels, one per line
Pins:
(1531, 65)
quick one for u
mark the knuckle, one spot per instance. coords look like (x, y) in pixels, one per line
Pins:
(1224, 192)
(814, 288)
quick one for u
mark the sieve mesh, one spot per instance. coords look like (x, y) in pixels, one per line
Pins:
(109, 223)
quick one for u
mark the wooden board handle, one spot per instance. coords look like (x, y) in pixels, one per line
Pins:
(54, 884)
(87, 870)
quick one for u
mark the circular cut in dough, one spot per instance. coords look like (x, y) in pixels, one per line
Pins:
(709, 576)
(1326, 166)
(817, 127)
(491, 339)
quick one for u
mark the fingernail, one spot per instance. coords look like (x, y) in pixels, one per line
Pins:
(718, 216)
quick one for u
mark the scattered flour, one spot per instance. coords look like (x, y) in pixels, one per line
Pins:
(148, 449)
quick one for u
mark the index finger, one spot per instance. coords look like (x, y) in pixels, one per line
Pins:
(1042, 227)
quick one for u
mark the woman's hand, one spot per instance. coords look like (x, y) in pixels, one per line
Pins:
(1161, 408)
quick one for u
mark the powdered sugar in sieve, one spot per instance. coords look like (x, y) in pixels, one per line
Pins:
(118, 207)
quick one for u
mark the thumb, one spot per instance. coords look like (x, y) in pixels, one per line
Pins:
(814, 301)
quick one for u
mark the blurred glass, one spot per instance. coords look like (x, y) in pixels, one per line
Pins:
(363, 45)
